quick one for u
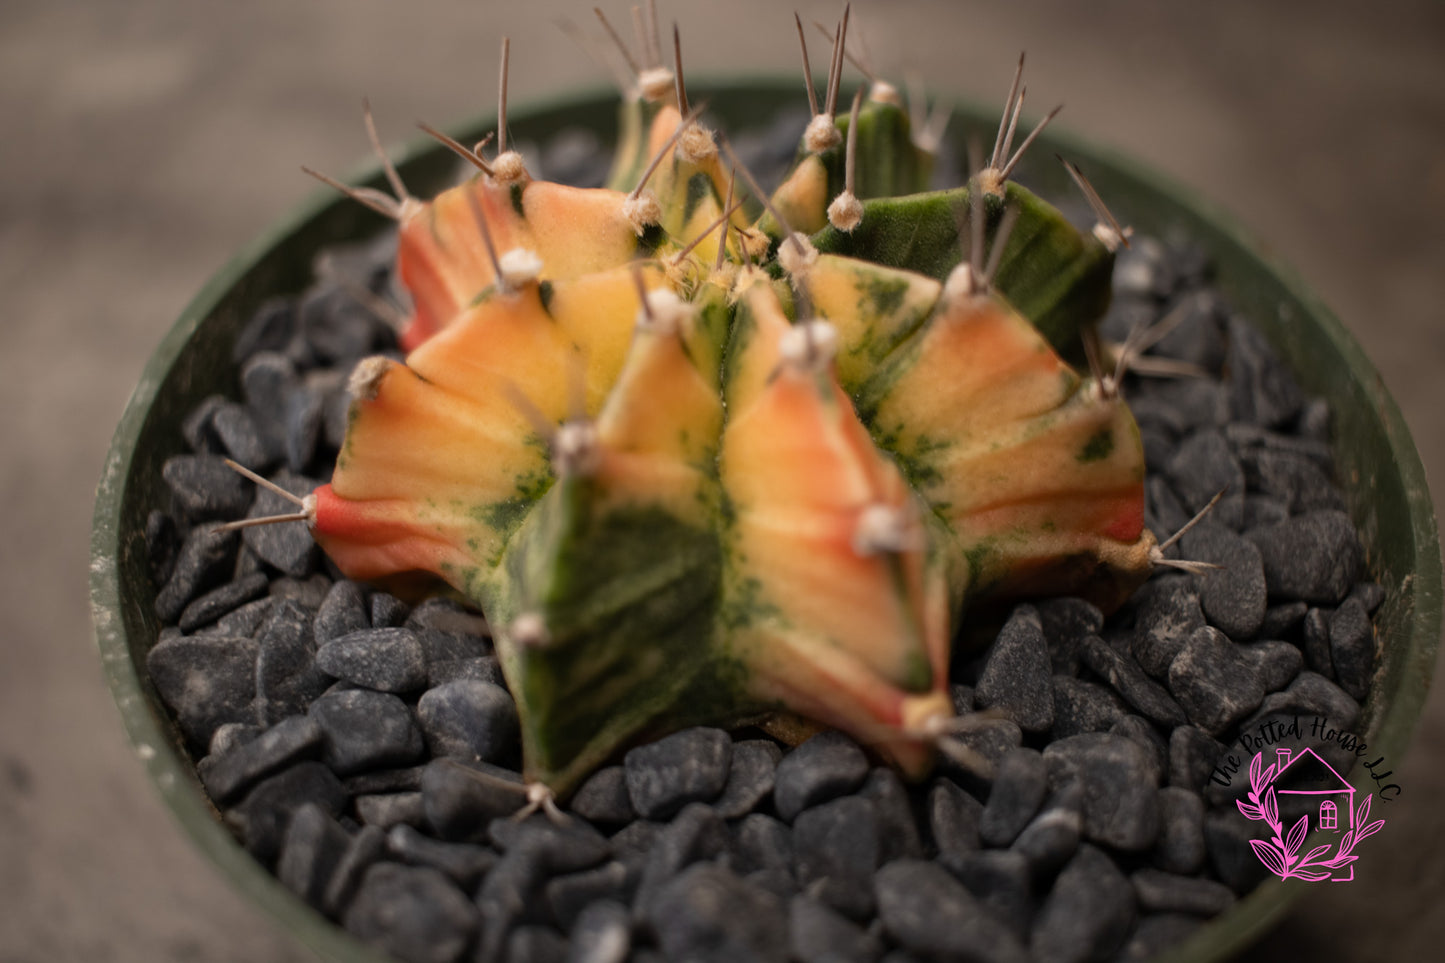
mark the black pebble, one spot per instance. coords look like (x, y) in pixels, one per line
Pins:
(1313, 558)
(932, 915)
(342, 612)
(365, 848)
(1167, 611)
(383, 780)
(481, 668)
(461, 801)
(1311, 694)
(602, 934)
(1019, 785)
(698, 833)
(236, 430)
(750, 777)
(207, 681)
(262, 816)
(1002, 881)
(388, 660)
(687, 766)
(286, 546)
(1232, 596)
(219, 601)
(1201, 468)
(953, 821)
(1081, 706)
(304, 413)
(227, 775)
(388, 611)
(827, 765)
(1215, 684)
(1119, 783)
(1142, 731)
(1352, 647)
(709, 915)
(413, 913)
(603, 798)
(1052, 838)
(205, 489)
(897, 827)
(1280, 621)
(569, 895)
(205, 560)
(1161, 892)
(468, 719)
(163, 543)
(311, 850)
(1262, 391)
(463, 863)
(819, 933)
(267, 380)
(366, 730)
(1126, 678)
(762, 842)
(230, 736)
(1227, 834)
(1181, 837)
(1088, 914)
(1315, 634)
(1015, 678)
(536, 944)
(287, 679)
(1277, 663)
(196, 429)
(836, 846)
(390, 809)
(1193, 756)
(1066, 622)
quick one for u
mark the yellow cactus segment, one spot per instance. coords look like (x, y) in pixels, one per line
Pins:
(598, 312)
(659, 428)
(802, 199)
(577, 231)
(873, 308)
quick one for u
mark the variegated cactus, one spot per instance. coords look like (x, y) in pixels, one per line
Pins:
(697, 465)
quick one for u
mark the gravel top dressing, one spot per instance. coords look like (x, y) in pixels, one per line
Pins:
(367, 751)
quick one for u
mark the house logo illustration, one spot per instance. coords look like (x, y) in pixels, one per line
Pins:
(1299, 796)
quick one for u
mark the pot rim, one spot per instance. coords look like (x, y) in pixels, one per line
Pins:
(156, 741)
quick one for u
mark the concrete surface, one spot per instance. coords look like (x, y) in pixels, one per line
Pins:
(143, 142)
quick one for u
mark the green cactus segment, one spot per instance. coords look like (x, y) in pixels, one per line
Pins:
(1053, 274)
(887, 161)
(622, 549)
(635, 121)
(628, 595)
(874, 309)
(1037, 475)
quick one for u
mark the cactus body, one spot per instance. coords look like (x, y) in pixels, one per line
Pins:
(686, 494)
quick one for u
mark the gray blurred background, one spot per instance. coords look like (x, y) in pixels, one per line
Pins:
(141, 143)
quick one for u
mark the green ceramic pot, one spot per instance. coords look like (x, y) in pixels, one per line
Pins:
(1376, 459)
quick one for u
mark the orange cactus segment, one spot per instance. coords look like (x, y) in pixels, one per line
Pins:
(442, 259)
(813, 678)
(759, 326)
(1037, 476)
(444, 465)
(577, 231)
(801, 473)
(873, 308)
(376, 539)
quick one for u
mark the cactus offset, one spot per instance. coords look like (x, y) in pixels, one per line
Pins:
(696, 467)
